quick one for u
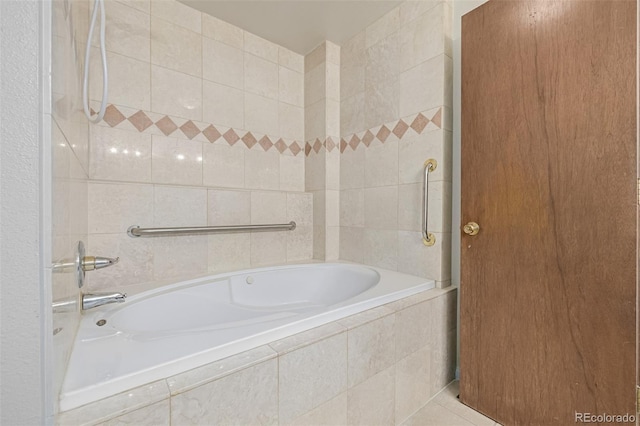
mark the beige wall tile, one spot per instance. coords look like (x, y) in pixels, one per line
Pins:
(381, 164)
(315, 57)
(291, 86)
(291, 173)
(176, 161)
(315, 121)
(331, 413)
(381, 207)
(352, 76)
(229, 252)
(410, 203)
(268, 248)
(352, 244)
(380, 248)
(315, 84)
(383, 27)
(260, 76)
(291, 122)
(179, 257)
(311, 376)
(413, 386)
(352, 115)
(223, 105)
(175, 93)
(300, 243)
(372, 402)
(127, 31)
(141, 5)
(332, 123)
(412, 9)
(260, 47)
(352, 207)
(115, 207)
(332, 244)
(122, 403)
(415, 150)
(300, 208)
(229, 207)
(413, 328)
(352, 168)
(135, 265)
(223, 165)
(332, 52)
(129, 80)
(175, 47)
(383, 62)
(423, 86)
(177, 206)
(332, 76)
(423, 38)
(371, 349)
(120, 155)
(381, 104)
(332, 205)
(319, 208)
(222, 31)
(319, 240)
(262, 169)
(332, 179)
(217, 402)
(261, 114)
(315, 171)
(222, 63)
(290, 59)
(178, 13)
(268, 207)
(157, 414)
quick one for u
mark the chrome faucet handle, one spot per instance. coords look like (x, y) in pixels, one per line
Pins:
(91, 263)
(98, 299)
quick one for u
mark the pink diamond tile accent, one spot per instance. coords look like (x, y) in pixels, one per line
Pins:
(437, 118)
(211, 133)
(166, 125)
(353, 143)
(383, 134)
(343, 145)
(317, 145)
(400, 129)
(249, 140)
(330, 144)
(190, 130)
(112, 116)
(280, 146)
(307, 149)
(140, 121)
(419, 123)
(368, 138)
(295, 148)
(231, 137)
(265, 143)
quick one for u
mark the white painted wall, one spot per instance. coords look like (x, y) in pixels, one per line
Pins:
(24, 184)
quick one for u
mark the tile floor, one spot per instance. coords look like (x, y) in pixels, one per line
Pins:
(446, 410)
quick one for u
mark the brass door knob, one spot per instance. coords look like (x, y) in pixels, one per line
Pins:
(471, 228)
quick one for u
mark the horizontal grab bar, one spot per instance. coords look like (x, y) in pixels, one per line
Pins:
(135, 231)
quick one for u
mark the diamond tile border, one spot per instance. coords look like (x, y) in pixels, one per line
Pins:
(159, 124)
(149, 122)
(411, 125)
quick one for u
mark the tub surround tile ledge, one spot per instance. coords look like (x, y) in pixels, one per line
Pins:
(306, 338)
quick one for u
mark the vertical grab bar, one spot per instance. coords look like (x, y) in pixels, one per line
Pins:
(428, 238)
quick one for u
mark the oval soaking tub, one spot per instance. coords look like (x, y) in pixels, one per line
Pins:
(163, 332)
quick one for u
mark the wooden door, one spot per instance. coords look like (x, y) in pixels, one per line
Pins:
(548, 285)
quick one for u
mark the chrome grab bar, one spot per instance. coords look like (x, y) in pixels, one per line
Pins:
(135, 231)
(427, 238)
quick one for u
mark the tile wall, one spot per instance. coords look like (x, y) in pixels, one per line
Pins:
(322, 129)
(377, 367)
(395, 113)
(70, 169)
(205, 127)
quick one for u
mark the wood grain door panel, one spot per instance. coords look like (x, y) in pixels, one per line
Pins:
(548, 286)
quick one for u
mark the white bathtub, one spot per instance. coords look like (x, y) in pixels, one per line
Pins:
(163, 332)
